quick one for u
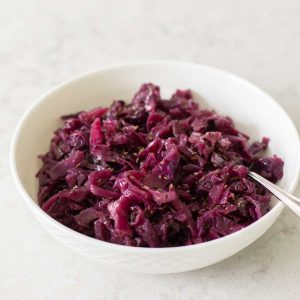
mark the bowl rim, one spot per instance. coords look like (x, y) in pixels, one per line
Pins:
(99, 243)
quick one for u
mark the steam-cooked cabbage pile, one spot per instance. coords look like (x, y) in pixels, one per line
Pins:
(154, 173)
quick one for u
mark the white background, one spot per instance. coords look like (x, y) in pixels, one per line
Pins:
(43, 43)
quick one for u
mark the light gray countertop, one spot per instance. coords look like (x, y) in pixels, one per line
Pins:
(43, 43)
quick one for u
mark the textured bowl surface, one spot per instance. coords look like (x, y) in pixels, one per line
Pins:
(253, 111)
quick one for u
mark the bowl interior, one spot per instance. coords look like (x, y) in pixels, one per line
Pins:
(254, 112)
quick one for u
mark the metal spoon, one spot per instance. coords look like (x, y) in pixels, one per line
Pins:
(288, 199)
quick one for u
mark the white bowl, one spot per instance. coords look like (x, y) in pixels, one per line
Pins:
(254, 112)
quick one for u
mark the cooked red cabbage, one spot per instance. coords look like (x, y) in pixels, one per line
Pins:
(154, 173)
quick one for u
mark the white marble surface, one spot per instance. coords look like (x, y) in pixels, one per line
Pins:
(45, 42)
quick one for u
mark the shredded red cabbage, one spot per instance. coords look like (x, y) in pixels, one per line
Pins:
(154, 173)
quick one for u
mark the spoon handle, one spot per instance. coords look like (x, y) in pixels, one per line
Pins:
(288, 199)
